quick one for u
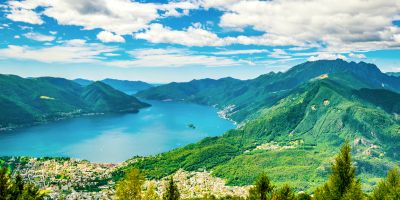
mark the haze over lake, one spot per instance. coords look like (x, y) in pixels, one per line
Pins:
(115, 138)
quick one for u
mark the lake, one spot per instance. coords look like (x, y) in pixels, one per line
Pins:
(117, 137)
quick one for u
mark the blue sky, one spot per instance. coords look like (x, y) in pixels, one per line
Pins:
(163, 41)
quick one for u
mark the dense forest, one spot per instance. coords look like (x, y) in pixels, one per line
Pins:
(27, 101)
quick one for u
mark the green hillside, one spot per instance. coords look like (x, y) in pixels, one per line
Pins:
(104, 98)
(128, 87)
(294, 137)
(243, 98)
(35, 100)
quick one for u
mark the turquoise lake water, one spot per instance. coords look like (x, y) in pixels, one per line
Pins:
(115, 138)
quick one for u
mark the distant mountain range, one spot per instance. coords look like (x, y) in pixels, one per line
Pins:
(129, 87)
(397, 74)
(250, 95)
(291, 124)
(27, 101)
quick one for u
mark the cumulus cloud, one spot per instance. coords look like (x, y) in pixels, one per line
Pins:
(39, 37)
(359, 56)
(177, 8)
(70, 51)
(237, 52)
(219, 4)
(327, 56)
(118, 16)
(333, 28)
(24, 15)
(172, 58)
(192, 36)
(106, 36)
(355, 24)
(197, 36)
(279, 53)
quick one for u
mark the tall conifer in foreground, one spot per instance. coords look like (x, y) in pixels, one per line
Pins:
(4, 183)
(171, 192)
(17, 189)
(342, 183)
(284, 193)
(388, 188)
(262, 189)
(130, 188)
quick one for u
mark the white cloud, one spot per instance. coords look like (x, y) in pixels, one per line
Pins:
(359, 56)
(172, 58)
(106, 36)
(220, 4)
(17, 37)
(118, 16)
(193, 36)
(197, 36)
(24, 15)
(53, 32)
(327, 56)
(237, 52)
(337, 27)
(39, 37)
(279, 53)
(341, 24)
(111, 54)
(70, 51)
(177, 8)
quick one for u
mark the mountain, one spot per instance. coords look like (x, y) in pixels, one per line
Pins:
(83, 82)
(103, 97)
(396, 74)
(242, 99)
(27, 101)
(293, 137)
(128, 87)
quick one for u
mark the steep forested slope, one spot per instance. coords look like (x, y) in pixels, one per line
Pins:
(243, 98)
(35, 100)
(294, 137)
(129, 87)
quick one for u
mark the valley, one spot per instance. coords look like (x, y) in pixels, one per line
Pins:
(290, 126)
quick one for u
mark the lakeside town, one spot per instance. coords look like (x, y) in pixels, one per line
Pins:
(68, 178)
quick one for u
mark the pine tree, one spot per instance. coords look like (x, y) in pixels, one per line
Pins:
(342, 183)
(284, 193)
(171, 192)
(303, 196)
(30, 192)
(17, 187)
(262, 189)
(4, 183)
(130, 187)
(388, 188)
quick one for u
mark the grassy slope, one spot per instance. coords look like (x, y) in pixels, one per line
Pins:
(304, 121)
(251, 95)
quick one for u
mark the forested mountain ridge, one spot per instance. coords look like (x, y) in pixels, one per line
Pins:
(27, 101)
(397, 74)
(243, 98)
(294, 137)
(129, 87)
